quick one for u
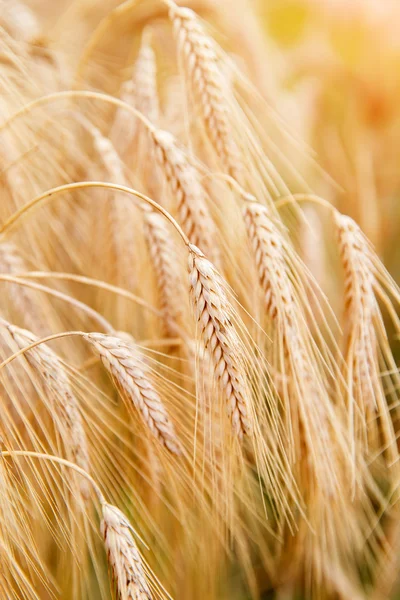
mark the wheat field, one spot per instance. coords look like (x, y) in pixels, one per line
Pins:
(199, 308)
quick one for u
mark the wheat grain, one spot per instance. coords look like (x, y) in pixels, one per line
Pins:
(109, 155)
(309, 404)
(120, 214)
(131, 375)
(213, 312)
(123, 555)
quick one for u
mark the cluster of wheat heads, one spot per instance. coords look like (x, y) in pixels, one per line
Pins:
(169, 364)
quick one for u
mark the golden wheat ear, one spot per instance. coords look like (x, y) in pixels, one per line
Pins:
(51, 370)
(213, 313)
(372, 378)
(123, 555)
(315, 440)
(164, 258)
(139, 91)
(187, 192)
(208, 83)
(132, 377)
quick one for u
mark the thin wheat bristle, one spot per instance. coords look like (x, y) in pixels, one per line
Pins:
(213, 313)
(207, 80)
(187, 191)
(164, 258)
(123, 555)
(131, 375)
(49, 367)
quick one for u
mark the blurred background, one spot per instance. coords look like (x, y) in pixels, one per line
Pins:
(338, 61)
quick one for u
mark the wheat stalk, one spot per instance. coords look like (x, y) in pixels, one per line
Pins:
(201, 62)
(355, 251)
(49, 367)
(123, 555)
(317, 446)
(213, 312)
(131, 375)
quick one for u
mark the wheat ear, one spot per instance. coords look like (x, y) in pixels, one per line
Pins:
(164, 258)
(360, 308)
(123, 555)
(187, 191)
(139, 91)
(47, 364)
(201, 63)
(307, 396)
(132, 376)
(145, 80)
(213, 312)
(267, 246)
(362, 348)
(118, 210)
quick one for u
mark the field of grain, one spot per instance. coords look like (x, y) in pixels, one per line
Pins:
(199, 307)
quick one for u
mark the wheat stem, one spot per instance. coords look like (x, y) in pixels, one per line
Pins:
(49, 338)
(59, 460)
(96, 316)
(54, 192)
(97, 283)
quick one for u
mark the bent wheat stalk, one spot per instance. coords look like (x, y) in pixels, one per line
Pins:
(206, 286)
